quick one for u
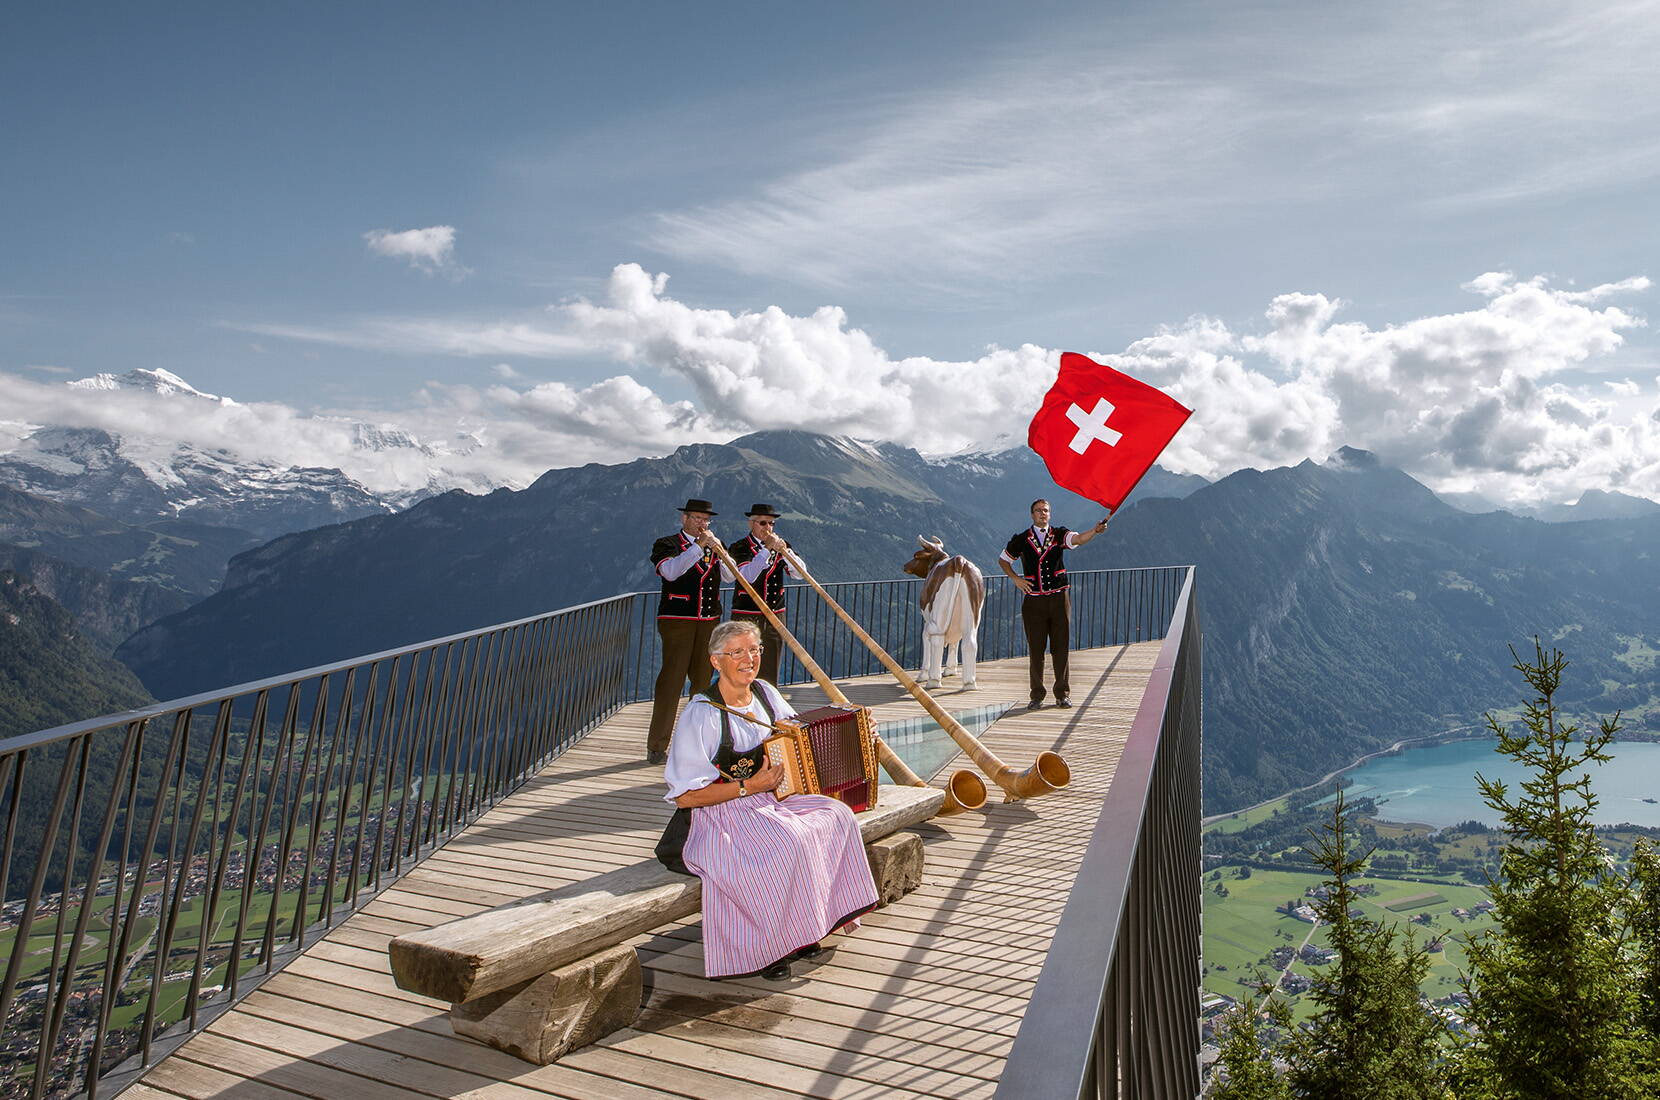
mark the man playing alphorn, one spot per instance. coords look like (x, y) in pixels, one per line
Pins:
(762, 565)
(687, 610)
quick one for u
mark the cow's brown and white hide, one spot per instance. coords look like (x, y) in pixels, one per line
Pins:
(953, 595)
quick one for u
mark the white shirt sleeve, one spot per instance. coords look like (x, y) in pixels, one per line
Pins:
(691, 752)
(790, 569)
(1071, 539)
(1005, 557)
(755, 566)
(672, 569)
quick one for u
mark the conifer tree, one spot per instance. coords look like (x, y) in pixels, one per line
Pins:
(1246, 1070)
(1644, 925)
(1374, 1038)
(1551, 984)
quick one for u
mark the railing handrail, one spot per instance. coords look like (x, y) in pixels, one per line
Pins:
(70, 730)
(1054, 1053)
(152, 710)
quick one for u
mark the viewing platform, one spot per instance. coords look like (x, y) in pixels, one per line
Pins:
(1051, 950)
(923, 1000)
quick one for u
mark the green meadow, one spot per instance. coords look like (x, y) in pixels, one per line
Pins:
(1242, 926)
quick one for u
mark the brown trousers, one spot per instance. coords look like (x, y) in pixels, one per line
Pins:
(685, 660)
(772, 646)
(1048, 622)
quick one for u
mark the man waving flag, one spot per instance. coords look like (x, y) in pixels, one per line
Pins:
(1099, 430)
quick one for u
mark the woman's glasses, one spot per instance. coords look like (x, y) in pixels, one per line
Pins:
(753, 653)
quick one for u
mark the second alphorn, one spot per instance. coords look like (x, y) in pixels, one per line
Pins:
(1048, 773)
(963, 791)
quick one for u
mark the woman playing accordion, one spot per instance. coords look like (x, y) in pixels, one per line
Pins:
(777, 875)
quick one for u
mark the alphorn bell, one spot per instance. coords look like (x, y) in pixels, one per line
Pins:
(1048, 773)
(963, 791)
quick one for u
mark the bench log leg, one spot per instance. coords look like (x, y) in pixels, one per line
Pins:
(896, 865)
(543, 1018)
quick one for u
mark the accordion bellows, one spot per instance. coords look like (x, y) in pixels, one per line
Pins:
(829, 751)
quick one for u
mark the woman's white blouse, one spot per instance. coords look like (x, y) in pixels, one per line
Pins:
(697, 738)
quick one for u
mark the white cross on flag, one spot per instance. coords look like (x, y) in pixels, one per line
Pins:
(1099, 430)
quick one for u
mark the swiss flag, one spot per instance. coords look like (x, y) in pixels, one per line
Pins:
(1099, 430)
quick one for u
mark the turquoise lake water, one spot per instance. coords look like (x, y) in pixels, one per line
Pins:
(1436, 785)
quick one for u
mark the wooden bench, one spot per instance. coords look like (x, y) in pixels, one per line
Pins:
(553, 973)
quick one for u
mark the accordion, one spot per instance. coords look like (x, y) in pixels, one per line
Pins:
(829, 751)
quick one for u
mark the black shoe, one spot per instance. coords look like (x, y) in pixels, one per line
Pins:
(657, 756)
(811, 951)
(777, 972)
(1034, 704)
(1063, 701)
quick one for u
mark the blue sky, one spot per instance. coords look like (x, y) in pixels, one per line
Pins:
(889, 216)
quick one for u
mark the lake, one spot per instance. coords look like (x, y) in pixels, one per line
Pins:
(1436, 784)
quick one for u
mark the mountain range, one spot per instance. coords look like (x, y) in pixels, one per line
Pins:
(1344, 604)
(126, 479)
(458, 561)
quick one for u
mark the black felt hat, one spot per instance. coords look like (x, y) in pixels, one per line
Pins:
(761, 510)
(695, 505)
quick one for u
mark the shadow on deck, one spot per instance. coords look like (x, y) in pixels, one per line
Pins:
(924, 1000)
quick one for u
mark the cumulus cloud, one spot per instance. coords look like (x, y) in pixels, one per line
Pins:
(1463, 400)
(431, 250)
(1500, 398)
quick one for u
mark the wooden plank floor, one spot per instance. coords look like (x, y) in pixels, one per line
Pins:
(923, 1000)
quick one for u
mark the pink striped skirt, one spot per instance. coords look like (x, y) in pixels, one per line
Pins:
(777, 876)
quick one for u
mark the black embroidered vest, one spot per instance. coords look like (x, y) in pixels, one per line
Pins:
(1044, 566)
(770, 584)
(695, 594)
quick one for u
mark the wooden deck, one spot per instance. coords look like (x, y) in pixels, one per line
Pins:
(924, 1000)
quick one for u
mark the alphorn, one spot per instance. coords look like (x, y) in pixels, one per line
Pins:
(963, 791)
(1048, 773)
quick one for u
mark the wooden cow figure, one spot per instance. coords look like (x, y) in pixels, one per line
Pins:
(953, 594)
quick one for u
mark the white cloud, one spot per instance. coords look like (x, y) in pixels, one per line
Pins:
(1051, 156)
(1466, 400)
(1496, 399)
(529, 338)
(431, 250)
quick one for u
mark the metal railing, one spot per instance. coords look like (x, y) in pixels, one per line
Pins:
(1109, 607)
(1116, 1008)
(168, 856)
(159, 864)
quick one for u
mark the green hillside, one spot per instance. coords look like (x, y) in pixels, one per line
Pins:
(49, 672)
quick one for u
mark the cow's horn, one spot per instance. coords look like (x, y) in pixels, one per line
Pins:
(937, 544)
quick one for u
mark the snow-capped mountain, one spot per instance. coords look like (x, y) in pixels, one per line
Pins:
(261, 473)
(162, 382)
(136, 481)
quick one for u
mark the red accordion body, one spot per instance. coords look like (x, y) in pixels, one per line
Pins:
(829, 751)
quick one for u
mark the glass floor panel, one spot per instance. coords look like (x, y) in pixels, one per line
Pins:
(925, 746)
